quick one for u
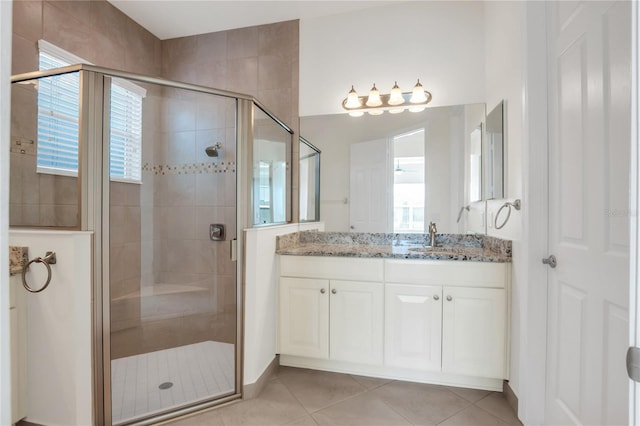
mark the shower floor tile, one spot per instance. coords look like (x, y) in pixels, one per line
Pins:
(196, 372)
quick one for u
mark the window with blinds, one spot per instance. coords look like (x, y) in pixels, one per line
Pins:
(58, 121)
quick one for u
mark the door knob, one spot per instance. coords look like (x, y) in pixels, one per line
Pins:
(551, 261)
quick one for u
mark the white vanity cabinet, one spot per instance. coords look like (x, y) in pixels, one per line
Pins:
(433, 321)
(304, 317)
(474, 331)
(463, 316)
(332, 308)
(413, 326)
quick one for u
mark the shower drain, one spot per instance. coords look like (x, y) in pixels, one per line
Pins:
(165, 385)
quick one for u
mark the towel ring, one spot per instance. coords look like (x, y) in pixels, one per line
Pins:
(515, 204)
(48, 260)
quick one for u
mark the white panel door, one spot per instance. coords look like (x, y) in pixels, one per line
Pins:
(369, 178)
(413, 326)
(356, 321)
(473, 331)
(304, 317)
(589, 112)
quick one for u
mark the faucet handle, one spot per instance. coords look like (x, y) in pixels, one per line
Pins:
(432, 227)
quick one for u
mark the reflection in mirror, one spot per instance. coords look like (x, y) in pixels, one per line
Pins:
(271, 176)
(493, 154)
(377, 177)
(309, 182)
(408, 181)
(475, 165)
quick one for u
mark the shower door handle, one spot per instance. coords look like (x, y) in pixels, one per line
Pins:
(234, 249)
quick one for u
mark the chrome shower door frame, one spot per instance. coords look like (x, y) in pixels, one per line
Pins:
(94, 183)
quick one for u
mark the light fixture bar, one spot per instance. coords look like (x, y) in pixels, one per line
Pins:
(385, 106)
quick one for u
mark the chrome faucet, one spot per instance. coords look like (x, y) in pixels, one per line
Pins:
(432, 234)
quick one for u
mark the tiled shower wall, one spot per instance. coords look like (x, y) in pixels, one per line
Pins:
(168, 245)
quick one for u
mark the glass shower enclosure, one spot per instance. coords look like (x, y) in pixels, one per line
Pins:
(163, 173)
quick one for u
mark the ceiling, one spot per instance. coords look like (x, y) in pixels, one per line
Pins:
(168, 19)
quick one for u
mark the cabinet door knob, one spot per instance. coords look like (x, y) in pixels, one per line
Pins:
(449, 298)
(436, 297)
(323, 291)
(334, 291)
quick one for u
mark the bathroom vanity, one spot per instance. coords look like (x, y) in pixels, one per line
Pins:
(385, 305)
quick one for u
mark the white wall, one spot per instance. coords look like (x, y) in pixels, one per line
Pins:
(505, 59)
(440, 42)
(261, 296)
(5, 106)
(59, 377)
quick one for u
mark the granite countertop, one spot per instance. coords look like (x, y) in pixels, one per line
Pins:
(479, 248)
(18, 257)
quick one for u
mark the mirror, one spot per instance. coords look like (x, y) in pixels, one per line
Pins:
(309, 182)
(396, 172)
(271, 180)
(475, 165)
(493, 154)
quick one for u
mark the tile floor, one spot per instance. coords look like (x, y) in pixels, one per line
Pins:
(306, 397)
(197, 372)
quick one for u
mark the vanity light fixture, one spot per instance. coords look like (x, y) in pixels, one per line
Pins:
(394, 102)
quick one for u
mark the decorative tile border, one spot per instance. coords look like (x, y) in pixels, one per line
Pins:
(190, 169)
(18, 257)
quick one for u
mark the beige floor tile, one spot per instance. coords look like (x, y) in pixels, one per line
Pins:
(370, 382)
(473, 416)
(471, 395)
(305, 421)
(498, 405)
(208, 418)
(318, 389)
(365, 409)
(274, 406)
(421, 404)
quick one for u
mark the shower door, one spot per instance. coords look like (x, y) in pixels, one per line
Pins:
(173, 296)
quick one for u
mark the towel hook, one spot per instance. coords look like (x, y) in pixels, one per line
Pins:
(48, 260)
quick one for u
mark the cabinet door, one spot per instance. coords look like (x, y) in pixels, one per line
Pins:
(304, 317)
(473, 336)
(356, 321)
(413, 326)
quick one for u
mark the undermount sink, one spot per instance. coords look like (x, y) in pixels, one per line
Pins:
(433, 250)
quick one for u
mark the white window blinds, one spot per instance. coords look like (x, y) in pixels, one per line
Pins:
(126, 133)
(57, 120)
(58, 100)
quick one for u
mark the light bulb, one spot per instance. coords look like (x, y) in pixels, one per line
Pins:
(353, 101)
(395, 97)
(417, 95)
(374, 97)
(356, 113)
